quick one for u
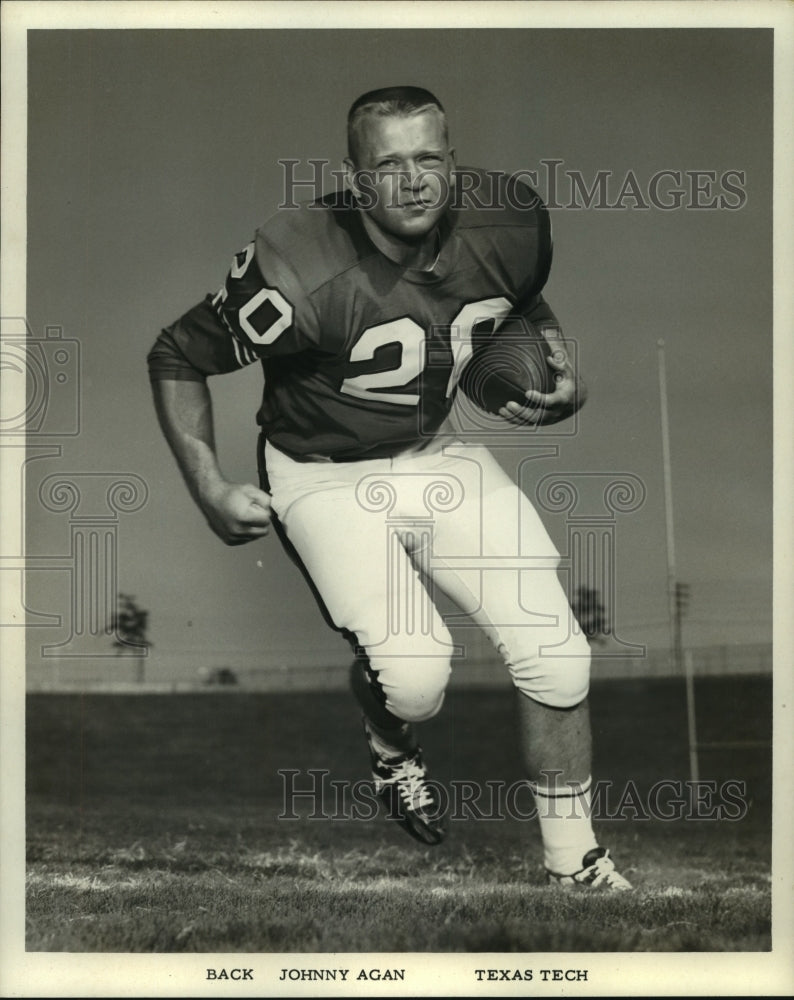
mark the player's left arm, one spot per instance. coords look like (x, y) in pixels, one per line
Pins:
(569, 393)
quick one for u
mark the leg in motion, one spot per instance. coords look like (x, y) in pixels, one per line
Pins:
(556, 747)
(399, 675)
(398, 768)
(527, 617)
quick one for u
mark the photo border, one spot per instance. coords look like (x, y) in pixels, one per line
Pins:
(65, 975)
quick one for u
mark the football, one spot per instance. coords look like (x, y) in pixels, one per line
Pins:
(510, 362)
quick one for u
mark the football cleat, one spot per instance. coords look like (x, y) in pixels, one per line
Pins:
(598, 872)
(401, 784)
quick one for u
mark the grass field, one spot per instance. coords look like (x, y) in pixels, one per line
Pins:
(153, 826)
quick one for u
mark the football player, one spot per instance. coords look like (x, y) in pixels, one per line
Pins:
(361, 309)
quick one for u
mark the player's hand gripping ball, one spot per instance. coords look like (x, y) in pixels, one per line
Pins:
(509, 363)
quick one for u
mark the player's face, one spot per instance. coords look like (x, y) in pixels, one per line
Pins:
(403, 177)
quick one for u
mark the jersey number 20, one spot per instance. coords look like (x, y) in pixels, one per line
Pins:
(408, 335)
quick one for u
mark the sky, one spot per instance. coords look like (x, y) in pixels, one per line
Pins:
(154, 155)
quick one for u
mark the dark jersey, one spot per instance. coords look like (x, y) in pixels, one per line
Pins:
(361, 356)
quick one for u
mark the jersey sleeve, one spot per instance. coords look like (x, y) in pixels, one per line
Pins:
(250, 318)
(540, 249)
(539, 313)
(531, 304)
(193, 347)
(263, 305)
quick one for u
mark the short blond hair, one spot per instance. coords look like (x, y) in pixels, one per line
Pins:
(390, 102)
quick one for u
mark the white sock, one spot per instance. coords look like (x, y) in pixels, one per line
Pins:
(565, 826)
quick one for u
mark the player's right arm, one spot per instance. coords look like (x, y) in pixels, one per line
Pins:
(246, 321)
(197, 345)
(236, 512)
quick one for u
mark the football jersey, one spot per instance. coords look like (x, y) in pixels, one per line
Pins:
(361, 355)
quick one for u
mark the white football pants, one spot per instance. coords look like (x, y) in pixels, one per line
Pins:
(377, 538)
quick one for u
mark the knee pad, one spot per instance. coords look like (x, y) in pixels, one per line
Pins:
(415, 688)
(560, 678)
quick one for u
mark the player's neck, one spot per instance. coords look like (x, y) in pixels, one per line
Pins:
(421, 255)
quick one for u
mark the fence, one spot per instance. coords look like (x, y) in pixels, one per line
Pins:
(196, 673)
